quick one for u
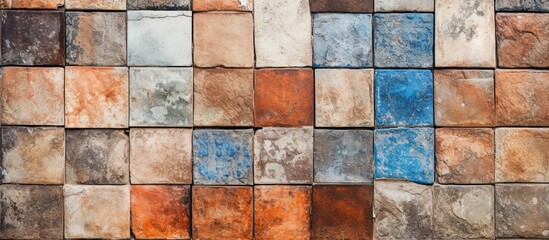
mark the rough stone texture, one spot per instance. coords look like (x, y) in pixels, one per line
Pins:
(161, 97)
(342, 212)
(31, 212)
(159, 38)
(463, 212)
(521, 98)
(223, 97)
(522, 155)
(521, 210)
(32, 155)
(282, 211)
(223, 5)
(404, 6)
(159, 4)
(161, 212)
(465, 156)
(284, 97)
(522, 5)
(97, 211)
(223, 39)
(343, 156)
(283, 156)
(282, 33)
(97, 157)
(344, 97)
(464, 98)
(223, 157)
(32, 37)
(465, 33)
(96, 97)
(342, 40)
(30, 4)
(222, 212)
(161, 155)
(32, 96)
(96, 38)
(403, 40)
(96, 5)
(405, 153)
(351, 6)
(403, 98)
(523, 40)
(402, 210)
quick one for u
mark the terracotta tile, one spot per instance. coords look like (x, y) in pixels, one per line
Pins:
(32, 96)
(223, 5)
(284, 97)
(282, 212)
(222, 212)
(27, 4)
(161, 212)
(358, 6)
(96, 97)
(159, 4)
(95, 5)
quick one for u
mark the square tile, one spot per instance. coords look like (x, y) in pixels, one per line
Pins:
(223, 97)
(23, 42)
(223, 39)
(343, 156)
(352, 6)
(159, 38)
(405, 153)
(342, 40)
(161, 155)
(95, 5)
(26, 4)
(283, 156)
(96, 97)
(284, 97)
(344, 97)
(521, 6)
(161, 97)
(403, 98)
(403, 40)
(159, 5)
(95, 156)
(223, 5)
(223, 157)
(32, 96)
(33, 155)
(404, 6)
(96, 38)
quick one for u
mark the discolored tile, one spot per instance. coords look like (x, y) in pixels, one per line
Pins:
(404, 6)
(159, 4)
(223, 5)
(95, 5)
(524, 5)
(355, 6)
(31, 4)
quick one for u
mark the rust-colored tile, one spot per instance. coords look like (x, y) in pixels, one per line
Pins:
(95, 4)
(161, 212)
(223, 5)
(28, 4)
(355, 6)
(284, 97)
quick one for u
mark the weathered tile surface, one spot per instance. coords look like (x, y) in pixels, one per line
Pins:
(223, 5)
(284, 97)
(96, 38)
(159, 4)
(342, 40)
(30, 4)
(161, 97)
(521, 98)
(343, 156)
(355, 6)
(31, 212)
(159, 38)
(521, 211)
(223, 97)
(159, 211)
(403, 98)
(32, 155)
(223, 157)
(403, 210)
(465, 33)
(404, 6)
(24, 42)
(522, 5)
(97, 157)
(282, 211)
(522, 155)
(282, 33)
(96, 97)
(32, 96)
(403, 40)
(342, 212)
(463, 212)
(283, 156)
(95, 5)
(97, 211)
(344, 97)
(223, 39)
(222, 212)
(405, 153)
(161, 155)
(465, 156)
(523, 40)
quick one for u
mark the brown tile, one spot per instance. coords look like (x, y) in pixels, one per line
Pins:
(355, 6)
(223, 5)
(24, 4)
(95, 4)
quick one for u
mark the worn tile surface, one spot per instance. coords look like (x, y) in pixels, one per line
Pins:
(223, 5)
(522, 5)
(95, 4)
(354, 6)
(159, 4)
(31, 4)
(404, 6)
